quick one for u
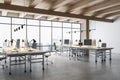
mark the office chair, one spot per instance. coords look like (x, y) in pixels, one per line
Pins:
(56, 49)
(103, 54)
(47, 55)
(2, 57)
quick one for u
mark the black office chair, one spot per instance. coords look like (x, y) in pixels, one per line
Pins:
(56, 49)
(47, 55)
(34, 44)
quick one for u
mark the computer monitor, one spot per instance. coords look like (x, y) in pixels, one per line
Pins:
(103, 45)
(66, 41)
(88, 42)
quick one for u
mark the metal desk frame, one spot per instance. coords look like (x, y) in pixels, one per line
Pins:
(30, 53)
(96, 49)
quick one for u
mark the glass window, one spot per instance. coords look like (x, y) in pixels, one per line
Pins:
(76, 26)
(57, 36)
(4, 35)
(33, 33)
(56, 24)
(5, 20)
(32, 22)
(18, 21)
(45, 38)
(67, 35)
(75, 36)
(67, 25)
(19, 32)
(46, 23)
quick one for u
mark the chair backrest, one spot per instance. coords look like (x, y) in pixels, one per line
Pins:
(34, 45)
(18, 43)
(103, 45)
(55, 47)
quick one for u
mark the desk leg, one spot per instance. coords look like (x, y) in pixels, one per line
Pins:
(105, 55)
(9, 65)
(25, 64)
(30, 64)
(96, 56)
(43, 62)
(69, 51)
(110, 56)
(102, 55)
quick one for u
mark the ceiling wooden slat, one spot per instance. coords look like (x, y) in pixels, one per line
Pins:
(100, 6)
(61, 3)
(34, 3)
(112, 14)
(81, 4)
(48, 12)
(52, 3)
(114, 8)
(7, 1)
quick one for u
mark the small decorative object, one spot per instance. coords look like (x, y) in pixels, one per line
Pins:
(18, 28)
(21, 26)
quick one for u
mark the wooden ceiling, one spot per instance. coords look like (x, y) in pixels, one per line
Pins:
(62, 10)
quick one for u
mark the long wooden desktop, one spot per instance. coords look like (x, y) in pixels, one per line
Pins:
(23, 52)
(97, 50)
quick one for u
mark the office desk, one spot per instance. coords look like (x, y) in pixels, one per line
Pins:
(97, 50)
(23, 52)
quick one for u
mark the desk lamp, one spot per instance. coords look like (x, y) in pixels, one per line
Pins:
(12, 40)
(99, 43)
(7, 41)
(34, 43)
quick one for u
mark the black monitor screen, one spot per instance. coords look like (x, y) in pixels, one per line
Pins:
(87, 42)
(66, 41)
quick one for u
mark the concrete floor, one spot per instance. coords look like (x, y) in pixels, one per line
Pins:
(65, 69)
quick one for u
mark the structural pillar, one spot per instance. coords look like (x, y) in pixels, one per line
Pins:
(87, 29)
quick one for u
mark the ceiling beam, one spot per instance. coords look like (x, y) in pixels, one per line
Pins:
(111, 14)
(7, 1)
(100, 6)
(48, 12)
(114, 8)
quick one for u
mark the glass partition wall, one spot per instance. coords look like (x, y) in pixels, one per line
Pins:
(44, 32)
(5, 31)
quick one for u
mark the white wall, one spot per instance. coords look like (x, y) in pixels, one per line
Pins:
(107, 32)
